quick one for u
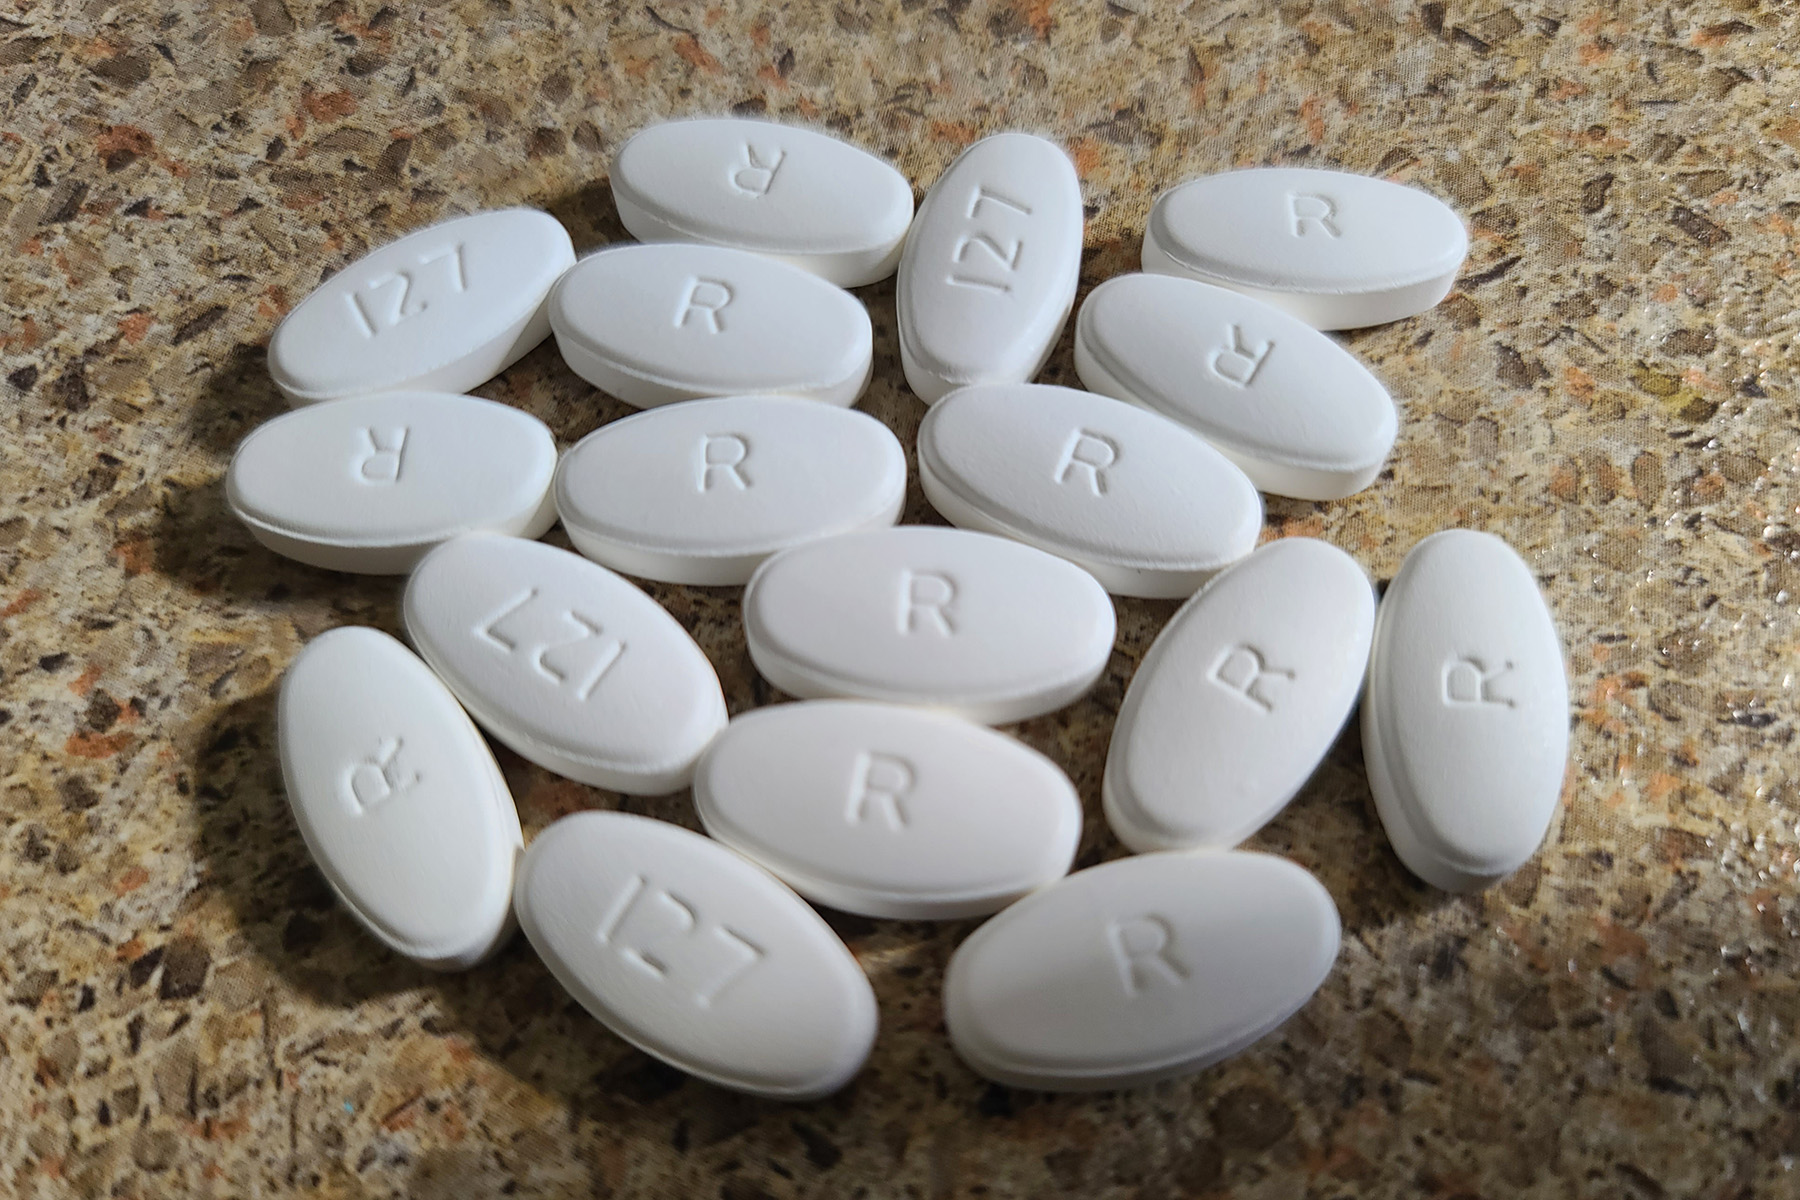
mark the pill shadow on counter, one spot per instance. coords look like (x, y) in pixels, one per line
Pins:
(196, 541)
(588, 213)
(509, 1010)
(258, 864)
(192, 536)
(235, 398)
(1332, 829)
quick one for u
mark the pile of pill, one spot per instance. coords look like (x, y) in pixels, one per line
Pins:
(881, 790)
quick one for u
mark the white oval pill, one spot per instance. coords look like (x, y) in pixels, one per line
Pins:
(1338, 251)
(1466, 721)
(989, 271)
(398, 798)
(1239, 698)
(1146, 506)
(1299, 413)
(370, 483)
(888, 811)
(673, 321)
(794, 194)
(565, 662)
(988, 628)
(703, 492)
(695, 955)
(440, 310)
(1138, 970)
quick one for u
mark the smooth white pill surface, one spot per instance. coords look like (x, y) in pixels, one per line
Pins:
(1297, 412)
(1239, 698)
(1466, 721)
(889, 811)
(398, 798)
(703, 492)
(673, 321)
(440, 310)
(1338, 251)
(370, 483)
(989, 271)
(988, 628)
(1146, 506)
(1139, 970)
(694, 954)
(564, 661)
(804, 197)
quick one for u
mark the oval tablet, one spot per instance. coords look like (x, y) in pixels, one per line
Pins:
(1338, 251)
(1466, 721)
(658, 323)
(988, 628)
(441, 310)
(1149, 508)
(695, 955)
(571, 666)
(370, 483)
(398, 798)
(888, 811)
(702, 492)
(1138, 970)
(1297, 412)
(803, 197)
(1239, 698)
(989, 271)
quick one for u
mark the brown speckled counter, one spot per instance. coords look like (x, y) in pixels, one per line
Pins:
(183, 1010)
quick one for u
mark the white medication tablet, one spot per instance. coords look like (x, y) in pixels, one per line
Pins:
(1338, 251)
(989, 271)
(695, 955)
(1466, 720)
(888, 811)
(988, 628)
(1239, 698)
(1139, 970)
(659, 323)
(440, 310)
(398, 798)
(703, 492)
(803, 197)
(567, 663)
(1146, 506)
(1297, 412)
(370, 483)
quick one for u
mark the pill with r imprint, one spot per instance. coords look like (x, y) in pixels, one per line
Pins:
(989, 628)
(1293, 409)
(398, 798)
(369, 484)
(1144, 505)
(785, 191)
(1140, 969)
(702, 492)
(1239, 698)
(652, 324)
(1466, 719)
(1336, 250)
(888, 811)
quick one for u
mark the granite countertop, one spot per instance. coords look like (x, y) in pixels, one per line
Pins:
(185, 1012)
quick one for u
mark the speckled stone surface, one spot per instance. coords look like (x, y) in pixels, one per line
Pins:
(183, 1010)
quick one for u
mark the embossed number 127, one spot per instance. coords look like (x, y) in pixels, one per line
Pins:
(387, 300)
(989, 247)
